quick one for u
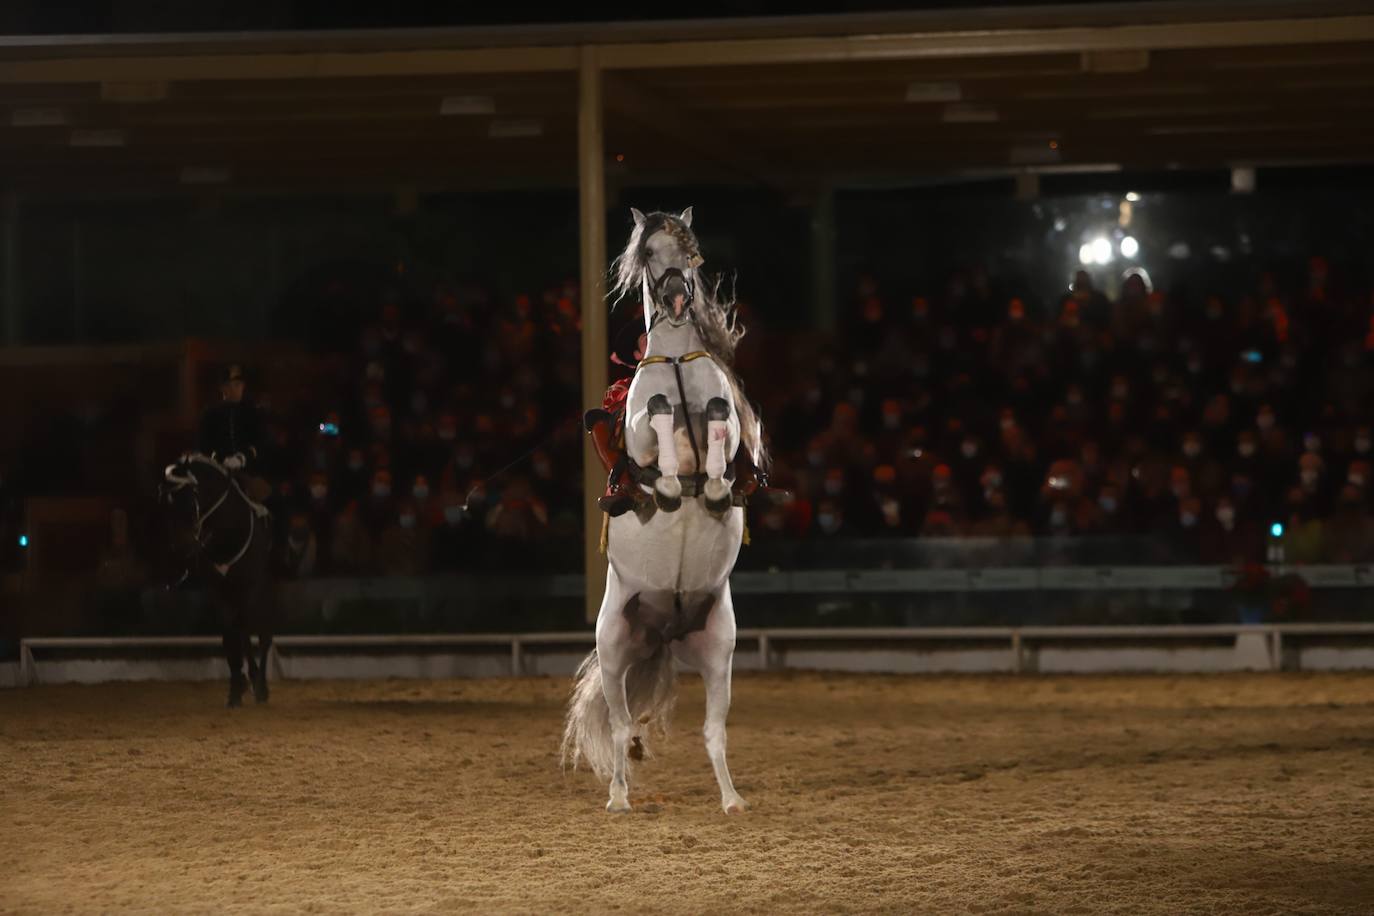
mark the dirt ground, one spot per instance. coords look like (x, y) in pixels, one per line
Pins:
(1248, 794)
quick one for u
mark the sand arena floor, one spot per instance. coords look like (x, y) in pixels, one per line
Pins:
(1248, 794)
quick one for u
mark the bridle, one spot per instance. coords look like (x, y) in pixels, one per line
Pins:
(653, 286)
(180, 477)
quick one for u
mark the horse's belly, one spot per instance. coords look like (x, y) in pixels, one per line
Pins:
(689, 550)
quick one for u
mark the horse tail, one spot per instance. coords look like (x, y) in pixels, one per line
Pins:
(650, 688)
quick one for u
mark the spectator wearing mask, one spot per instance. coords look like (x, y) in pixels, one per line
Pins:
(456, 539)
(1313, 483)
(1359, 476)
(518, 514)
(424, 500)
(967, 465)
(889, 516)
(379, 509)
(404, 549)
(1304, 538)
(998, 522)
(351, 548)
(829, 518)
(1350, 530)
(461, 470)
(1111, 517)
(300, 554)
(1183, 535)
(1227, 539)
(319, 498)
(1204, 473)
(354, 478)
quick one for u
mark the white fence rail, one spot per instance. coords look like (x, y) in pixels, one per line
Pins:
(1271, 647)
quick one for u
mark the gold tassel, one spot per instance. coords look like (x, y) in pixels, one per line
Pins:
(605, 533)
(746, 529)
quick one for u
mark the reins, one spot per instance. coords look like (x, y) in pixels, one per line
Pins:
(202, 541)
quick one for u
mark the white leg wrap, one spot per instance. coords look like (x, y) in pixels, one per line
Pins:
(662, 425)
(716, 433)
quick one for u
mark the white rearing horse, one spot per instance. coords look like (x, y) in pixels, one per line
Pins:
(668, 583)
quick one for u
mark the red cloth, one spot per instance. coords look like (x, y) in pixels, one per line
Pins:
(614, 402)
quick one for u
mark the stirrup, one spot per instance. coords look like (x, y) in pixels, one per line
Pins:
(616, 504)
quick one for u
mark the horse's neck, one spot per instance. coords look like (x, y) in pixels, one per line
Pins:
(666, 340)
(212, 486)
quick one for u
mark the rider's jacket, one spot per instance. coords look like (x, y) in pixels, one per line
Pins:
(229, 428)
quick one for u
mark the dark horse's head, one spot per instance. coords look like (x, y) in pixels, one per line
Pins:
(189, 493)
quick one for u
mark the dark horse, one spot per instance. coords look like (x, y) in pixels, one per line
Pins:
(224, 539)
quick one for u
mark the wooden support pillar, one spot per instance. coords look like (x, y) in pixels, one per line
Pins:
(823, 308)
(592, 197)
(9, 270)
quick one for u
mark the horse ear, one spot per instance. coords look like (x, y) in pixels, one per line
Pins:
(639, 217)
(686, 217)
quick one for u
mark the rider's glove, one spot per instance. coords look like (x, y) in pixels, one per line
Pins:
(235, 462)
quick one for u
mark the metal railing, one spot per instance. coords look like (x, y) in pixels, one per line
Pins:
(766, 642)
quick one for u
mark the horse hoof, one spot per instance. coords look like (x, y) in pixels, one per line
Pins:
(260, 691)
(717, 493)
(668, 494)
(237, 688)
(618, 806)
(736, 805)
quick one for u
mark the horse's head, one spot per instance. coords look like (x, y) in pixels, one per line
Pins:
(661, 260)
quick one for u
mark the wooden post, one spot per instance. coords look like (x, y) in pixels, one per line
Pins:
(824, 311)
(592, 198)
(9, 267)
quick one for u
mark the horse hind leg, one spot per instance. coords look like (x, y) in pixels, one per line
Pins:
(716, 490)
(233, 641)
(717, 678)
(259, 670)
(613, 672)
(667, 488)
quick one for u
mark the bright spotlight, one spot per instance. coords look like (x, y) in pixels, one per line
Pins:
(1132, 196)
(1102, 251)
(1086, 254)
(1276, 529)
(1129, 247)
(23, 540)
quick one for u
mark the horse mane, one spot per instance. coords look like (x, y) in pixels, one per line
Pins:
(716, 312)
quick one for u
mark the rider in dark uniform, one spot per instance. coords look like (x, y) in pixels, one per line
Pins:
(231, 432)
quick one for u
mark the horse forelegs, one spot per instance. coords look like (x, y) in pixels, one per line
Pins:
(716, 490)
(233, 641)
(667, 489)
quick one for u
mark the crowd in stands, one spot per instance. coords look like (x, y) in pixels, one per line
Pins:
(402, 473)
(1184, 427)
(1189, 426)
(1178, 425)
